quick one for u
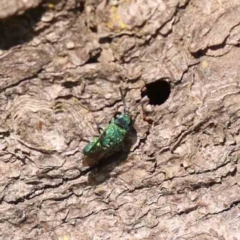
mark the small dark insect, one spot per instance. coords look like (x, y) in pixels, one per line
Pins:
(110, 140)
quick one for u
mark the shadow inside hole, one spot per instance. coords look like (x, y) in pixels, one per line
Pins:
(101, 172)
(157, 92)
(16, 30)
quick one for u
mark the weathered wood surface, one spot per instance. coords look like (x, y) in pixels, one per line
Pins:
(61, 67)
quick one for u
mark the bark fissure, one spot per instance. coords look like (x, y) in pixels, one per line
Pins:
(60, 76)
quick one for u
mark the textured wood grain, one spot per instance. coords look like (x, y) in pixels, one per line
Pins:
(61, 84)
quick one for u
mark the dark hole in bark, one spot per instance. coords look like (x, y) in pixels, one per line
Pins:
(70, 84)
(157, 92)
(94, 58)
(104, 40)
(80, 6)
(199, 53)
(93, 29)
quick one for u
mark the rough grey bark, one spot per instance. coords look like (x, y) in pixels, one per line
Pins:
(15, 7)
(61, 68)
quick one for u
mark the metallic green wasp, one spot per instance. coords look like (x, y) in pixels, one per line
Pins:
(110, 140)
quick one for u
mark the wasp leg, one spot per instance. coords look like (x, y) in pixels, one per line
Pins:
(85, 140)
(99, 129)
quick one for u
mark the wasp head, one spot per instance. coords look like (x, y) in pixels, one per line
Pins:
(123, 120)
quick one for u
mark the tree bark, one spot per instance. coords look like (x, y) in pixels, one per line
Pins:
(62, 64)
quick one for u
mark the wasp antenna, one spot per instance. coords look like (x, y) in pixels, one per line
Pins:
(123, 100)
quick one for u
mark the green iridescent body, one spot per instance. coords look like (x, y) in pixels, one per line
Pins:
(110, 139)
